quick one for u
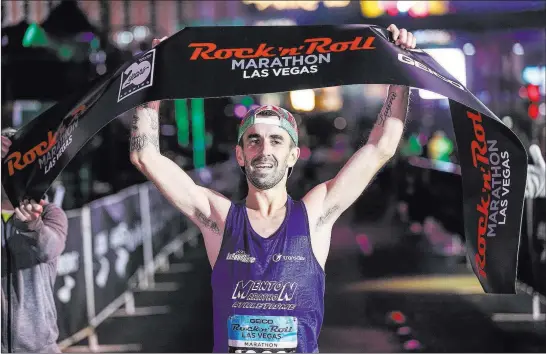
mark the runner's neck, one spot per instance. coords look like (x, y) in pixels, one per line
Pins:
(266, 202)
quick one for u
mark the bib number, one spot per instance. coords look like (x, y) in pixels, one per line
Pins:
(262, 334)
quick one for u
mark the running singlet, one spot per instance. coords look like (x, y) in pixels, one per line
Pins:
(268, 293)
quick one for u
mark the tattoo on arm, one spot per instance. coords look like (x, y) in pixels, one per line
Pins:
(206, 222)
(327, 216)
(386, 110)
(138, 142)
(134, 123)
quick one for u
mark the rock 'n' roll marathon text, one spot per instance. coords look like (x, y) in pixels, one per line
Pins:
(500, 187)
(48, 161)
(284, 66)
(255, 332)
(494, 166)
(266, 60)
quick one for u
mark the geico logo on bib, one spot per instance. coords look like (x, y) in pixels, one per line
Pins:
(279, 257)
(259, 320)
(137, 76)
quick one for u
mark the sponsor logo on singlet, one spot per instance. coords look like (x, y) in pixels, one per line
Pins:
(278, 257)
(240, 256)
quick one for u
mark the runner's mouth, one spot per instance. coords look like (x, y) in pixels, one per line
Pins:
(263, 166)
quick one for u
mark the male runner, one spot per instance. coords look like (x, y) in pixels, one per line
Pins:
(33, 237)
(268, 252)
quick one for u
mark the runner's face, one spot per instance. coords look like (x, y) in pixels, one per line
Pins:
(266, 155)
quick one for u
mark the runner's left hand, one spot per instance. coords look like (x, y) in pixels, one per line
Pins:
(402, 38)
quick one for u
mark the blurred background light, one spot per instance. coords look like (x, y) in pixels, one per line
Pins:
(273, 99)
(247, 101)
(371, 9)
(418, 9)
(404, 6)
(542, 109)
(436, 37)
(453, 61)
(340, 123)
(508, 121)
(517, 49)
(140, 33)
(303, 100)
(240, 110)
(469, 49)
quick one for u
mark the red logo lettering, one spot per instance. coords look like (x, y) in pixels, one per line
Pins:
(321, 45)
(480, 160)
(18, 161)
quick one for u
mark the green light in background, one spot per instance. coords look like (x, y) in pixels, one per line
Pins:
(95, 43)
(198, 132)
(238, 22)
(440, 147)
(65, 52)
(412, 147)
(182, 122)
(35, 36)
(247, 101)
(445, 148)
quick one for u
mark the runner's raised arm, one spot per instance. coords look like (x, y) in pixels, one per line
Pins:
(206, 208)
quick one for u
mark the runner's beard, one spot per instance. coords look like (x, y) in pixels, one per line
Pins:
(266, 177)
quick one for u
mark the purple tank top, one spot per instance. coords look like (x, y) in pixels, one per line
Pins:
(268, 293)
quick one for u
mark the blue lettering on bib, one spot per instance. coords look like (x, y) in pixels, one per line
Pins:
(262, 334)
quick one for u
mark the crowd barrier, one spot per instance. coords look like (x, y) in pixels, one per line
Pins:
(114, 246)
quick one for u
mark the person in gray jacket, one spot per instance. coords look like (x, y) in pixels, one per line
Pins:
(33, 238)
(536, 174)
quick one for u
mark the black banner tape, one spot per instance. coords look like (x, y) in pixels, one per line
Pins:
(230, 61)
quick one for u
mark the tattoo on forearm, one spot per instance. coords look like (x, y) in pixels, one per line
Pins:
(134, 123)
(327, 216)
(206, 222)
(386, 110)
(154, 121)
(138, 142)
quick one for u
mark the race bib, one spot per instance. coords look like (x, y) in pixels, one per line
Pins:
(262, 334)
